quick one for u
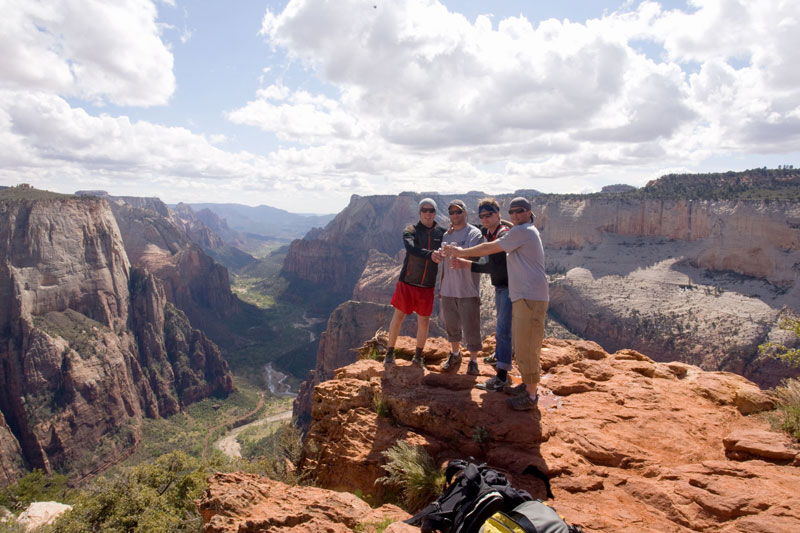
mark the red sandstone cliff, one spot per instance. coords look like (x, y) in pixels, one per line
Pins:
(82, 356)
(625, 444)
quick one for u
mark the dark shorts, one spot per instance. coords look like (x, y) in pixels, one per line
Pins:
(410, 299)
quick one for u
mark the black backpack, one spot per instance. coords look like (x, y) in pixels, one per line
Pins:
(475, 495)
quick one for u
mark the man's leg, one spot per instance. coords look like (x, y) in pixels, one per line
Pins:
(394, 331)
(471, 319)
(423, 322)
(452, 326)
(527, 325)
(503, 330)
(394, 327)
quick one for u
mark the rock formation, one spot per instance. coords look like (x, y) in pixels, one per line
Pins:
(245, 502)
(192, 281)
(623, 442)
(348, 327)
(696, 280)
(83, 356)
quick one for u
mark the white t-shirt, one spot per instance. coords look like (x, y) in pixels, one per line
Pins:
(460, 282)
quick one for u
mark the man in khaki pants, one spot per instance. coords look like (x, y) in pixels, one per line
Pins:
(527, 284)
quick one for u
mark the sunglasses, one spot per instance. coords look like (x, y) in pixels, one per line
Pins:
(455, 211)
(516, 210)
(427, 210)
(486, 215)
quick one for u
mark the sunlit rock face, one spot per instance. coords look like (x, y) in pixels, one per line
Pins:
(619, 438)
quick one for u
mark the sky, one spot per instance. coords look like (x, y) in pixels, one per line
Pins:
(300, 104)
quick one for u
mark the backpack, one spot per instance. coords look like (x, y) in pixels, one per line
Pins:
(528, 517)
(469, 500)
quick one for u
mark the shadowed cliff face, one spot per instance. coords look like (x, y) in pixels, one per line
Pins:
(83, 356)
(192, 281)
(626, 443)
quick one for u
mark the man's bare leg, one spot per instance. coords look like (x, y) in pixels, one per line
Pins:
(394, 331)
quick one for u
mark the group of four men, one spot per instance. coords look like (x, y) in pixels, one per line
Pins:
(516, 266)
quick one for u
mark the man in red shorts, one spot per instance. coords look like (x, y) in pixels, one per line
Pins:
(414, 290)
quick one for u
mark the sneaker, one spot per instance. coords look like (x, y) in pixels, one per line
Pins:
(494, 384)
(522, 402)
(472, 368)
(519, 390)
(453, 363)
(490, 359)
(419, 361)
(388, 359)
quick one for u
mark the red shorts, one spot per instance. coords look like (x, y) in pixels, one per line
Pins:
(410, 299)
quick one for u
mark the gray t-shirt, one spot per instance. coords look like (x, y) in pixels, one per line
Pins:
(460, 282)
(526, 273)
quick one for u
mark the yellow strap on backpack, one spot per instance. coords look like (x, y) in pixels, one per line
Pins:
(499, 522)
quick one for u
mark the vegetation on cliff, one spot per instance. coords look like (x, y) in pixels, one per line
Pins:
(758, 184)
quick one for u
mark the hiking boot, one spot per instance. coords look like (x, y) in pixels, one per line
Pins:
(522, 402)
(494, 384)
(453, 363)
(388, 359)
(490, 359)
(472, 368)
(519, 390)
(418, 360)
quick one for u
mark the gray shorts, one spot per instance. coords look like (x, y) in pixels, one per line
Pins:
(462, 316)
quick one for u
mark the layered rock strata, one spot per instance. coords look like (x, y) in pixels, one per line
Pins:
(624, 443)
(86, 350)
(694, 280)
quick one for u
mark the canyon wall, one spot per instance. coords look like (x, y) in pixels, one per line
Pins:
(88, 346)
(701, 281)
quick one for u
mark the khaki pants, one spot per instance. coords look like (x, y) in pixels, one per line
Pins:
(527, 332)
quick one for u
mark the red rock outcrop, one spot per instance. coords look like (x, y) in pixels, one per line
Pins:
(626, 443)
(74, 384)
(235, 503)
(348, 327)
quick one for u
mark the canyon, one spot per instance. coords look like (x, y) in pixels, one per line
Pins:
(680, 277)
(91, 338)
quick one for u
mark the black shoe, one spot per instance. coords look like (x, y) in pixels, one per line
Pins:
(519, 390)
(418, 360)
(388, 359)
(472, 368)
(490, 359)
(453, 363)
(522, 402)
(494, 384)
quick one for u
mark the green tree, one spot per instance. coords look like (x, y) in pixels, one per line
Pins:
(788, 322)
(35, 486)
(155, 497)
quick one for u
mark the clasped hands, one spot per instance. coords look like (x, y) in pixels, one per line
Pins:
(451, 251)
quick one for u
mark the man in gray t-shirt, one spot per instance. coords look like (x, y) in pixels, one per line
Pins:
(527, 285)
(459, 293)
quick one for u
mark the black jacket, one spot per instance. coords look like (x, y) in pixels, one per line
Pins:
(496, 265)
(420, 242)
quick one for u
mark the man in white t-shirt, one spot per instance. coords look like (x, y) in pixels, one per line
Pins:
(459, 293)
(527, 287)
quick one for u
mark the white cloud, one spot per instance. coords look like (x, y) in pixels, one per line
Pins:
(101, 50)
(416, 97)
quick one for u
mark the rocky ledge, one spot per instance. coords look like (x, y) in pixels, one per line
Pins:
(623, 443)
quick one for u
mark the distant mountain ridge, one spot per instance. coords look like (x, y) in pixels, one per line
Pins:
(266, 221)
